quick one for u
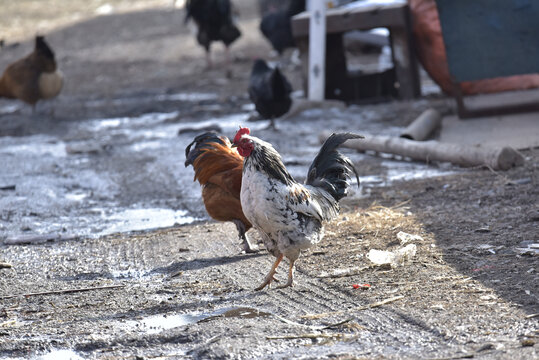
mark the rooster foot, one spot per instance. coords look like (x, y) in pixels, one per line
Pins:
(290, 281)
(271, 275)
(288, 284)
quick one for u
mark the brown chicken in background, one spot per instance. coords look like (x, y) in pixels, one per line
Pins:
(34, 77)
(218, 168)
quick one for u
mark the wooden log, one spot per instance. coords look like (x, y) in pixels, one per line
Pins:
(497, 158)
(422, 127)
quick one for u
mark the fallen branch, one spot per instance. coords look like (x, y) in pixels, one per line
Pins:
(4, 265)
(361, 308)
(309, 336)
(498, 158)
(338, 273)
(65, 291)
(337, 324)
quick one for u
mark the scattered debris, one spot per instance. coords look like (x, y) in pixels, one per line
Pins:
(362, 286)
(361, 308)
(522, 181)
(65, 291)
(483, 229)
(527, 342)
(175, 274)
(529, 250)
(405, 238)
(338, 273)
(485, 347)
(484, 267)
(36, 238)
(337, 336)
(397, 257)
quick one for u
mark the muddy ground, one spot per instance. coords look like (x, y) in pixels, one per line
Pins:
(109, 145)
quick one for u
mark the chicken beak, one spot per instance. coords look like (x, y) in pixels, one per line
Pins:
(234, 146)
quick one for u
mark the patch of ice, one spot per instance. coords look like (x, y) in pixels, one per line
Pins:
(37, 148)
(404, 171)
(156, 324)
(142, 120)
(76, 196)
(186, 97)
(104, 9)
(60, 355)
(145, 219)
(9, 109)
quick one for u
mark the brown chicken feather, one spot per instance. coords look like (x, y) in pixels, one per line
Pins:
(218, 168)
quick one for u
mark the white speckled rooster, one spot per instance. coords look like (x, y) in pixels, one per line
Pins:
(290, 215)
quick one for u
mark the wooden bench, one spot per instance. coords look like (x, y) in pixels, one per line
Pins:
(402, 81)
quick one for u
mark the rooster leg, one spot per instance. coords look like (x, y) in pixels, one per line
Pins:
(209, 63)
(247, 246)
(290, 275)
(269, 277)
(271, 125)
(228, 63)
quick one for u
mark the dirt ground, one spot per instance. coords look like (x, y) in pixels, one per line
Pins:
(187, 291)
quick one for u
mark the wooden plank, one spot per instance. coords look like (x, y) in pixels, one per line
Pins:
(365, 18)
(404, 60)
(317, 50)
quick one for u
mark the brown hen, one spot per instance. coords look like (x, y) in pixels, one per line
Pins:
(218, 168)
(34, 77)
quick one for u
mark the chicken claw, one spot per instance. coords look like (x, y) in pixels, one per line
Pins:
(290, 281)
(271, 275)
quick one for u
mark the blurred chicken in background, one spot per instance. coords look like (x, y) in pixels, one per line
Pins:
(34, 77)
(276, 26)
(214, 20)
(269, 90)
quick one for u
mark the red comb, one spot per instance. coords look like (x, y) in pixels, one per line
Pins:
(242, 131)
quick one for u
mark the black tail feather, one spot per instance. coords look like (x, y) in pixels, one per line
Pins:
(201, 142)
(331, 170)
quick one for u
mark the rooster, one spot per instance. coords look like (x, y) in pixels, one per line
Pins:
(218, 168)
(290, 215)
(215, 23)
(34, 77)
(269, 90)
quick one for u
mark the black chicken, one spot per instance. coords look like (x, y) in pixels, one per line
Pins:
(276, 26)
(214, 21)
(270, 91)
